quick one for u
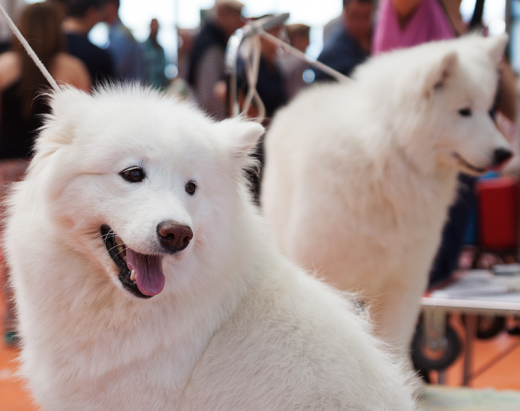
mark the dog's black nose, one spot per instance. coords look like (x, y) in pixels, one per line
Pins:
(174, 237)
(501, 155)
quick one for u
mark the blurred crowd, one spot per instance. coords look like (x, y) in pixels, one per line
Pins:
(348, 40)
(59, 30)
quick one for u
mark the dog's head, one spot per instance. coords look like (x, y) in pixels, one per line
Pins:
(136, 178)
(442, 94)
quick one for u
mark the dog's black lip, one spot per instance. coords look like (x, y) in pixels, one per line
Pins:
(108, 236)
(468, 165)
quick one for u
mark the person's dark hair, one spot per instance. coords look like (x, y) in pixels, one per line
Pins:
(297, 29)
(40, 24)
(78, 8)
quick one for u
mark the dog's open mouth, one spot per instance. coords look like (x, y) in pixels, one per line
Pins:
(140, 274)
(468, 165)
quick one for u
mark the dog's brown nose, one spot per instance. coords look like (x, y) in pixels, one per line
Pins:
(174, 237)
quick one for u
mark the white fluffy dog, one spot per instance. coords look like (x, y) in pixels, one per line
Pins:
(359, 176)
(146, 280)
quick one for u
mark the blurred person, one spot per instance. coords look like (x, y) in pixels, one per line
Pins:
(407, 23)
(126, 53)
(21, 110)
(206, 62)
(155, 59)
(352, 45)
(186, 38)
(334, 27)
(292, 66)
(82, 16)
(179, 86)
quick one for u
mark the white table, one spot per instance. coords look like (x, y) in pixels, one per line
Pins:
(438, 398)
(436, 304)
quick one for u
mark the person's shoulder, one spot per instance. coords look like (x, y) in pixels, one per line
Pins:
(75, 39)
(68, 61)
(70, 69)
(79, 43)
(344, 39)
(330, 49)
(343, 43)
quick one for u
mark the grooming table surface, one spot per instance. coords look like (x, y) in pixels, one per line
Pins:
(467, 399)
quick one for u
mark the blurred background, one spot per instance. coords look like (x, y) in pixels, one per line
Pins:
(175, 14)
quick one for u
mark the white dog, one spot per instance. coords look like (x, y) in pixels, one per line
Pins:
(146, 280)
(359, 176)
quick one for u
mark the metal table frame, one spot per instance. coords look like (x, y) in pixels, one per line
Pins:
(435, 310)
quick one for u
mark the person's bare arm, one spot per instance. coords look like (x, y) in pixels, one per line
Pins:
(70, 70)
(10, 69)
(405, 8)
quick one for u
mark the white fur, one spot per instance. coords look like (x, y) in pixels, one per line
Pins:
(237, 326)
(359, 176)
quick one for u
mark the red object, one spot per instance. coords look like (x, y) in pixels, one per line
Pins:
(498, 201)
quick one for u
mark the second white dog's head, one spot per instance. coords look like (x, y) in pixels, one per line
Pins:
(137, 177)
(441, 95)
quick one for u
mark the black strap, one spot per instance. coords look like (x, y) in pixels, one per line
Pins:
(476, 21)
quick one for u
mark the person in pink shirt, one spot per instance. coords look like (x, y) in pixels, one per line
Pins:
(407, 23)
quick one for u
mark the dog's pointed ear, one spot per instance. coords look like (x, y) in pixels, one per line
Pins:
(440, 71)
(68, 106)
(495, 47)
(240, 138)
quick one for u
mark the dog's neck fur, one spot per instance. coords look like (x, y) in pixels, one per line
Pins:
(407, 161)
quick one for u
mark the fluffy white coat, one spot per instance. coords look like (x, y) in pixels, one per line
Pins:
(359, 176)
(236, 327)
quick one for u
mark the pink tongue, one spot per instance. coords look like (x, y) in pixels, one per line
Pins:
(149, 275)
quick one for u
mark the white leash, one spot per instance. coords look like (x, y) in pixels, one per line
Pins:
(253, 31)
(252, 68)
(29, 50)
(302, 56)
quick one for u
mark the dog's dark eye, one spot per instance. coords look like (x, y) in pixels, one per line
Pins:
(190, 188)
(465, 112)
(133, 174)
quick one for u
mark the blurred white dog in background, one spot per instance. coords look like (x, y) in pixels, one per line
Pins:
(359, 176)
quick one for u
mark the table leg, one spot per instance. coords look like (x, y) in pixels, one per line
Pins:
(441, 377)
(471, 330)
